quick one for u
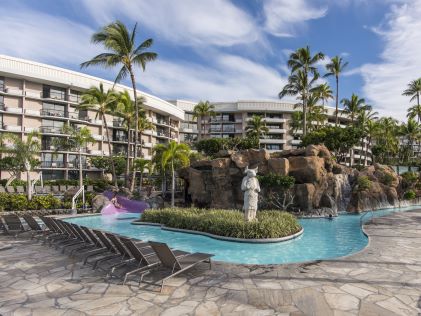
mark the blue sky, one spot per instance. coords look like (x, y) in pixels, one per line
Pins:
(225, 50)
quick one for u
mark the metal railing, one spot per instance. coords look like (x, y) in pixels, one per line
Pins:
(74, 198)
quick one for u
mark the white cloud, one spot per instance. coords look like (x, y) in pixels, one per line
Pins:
(385, 81)
(184, 22)
(230, 77)
(45, 38)
(284, 18)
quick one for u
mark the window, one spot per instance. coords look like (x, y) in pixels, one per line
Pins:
(52, 109)
(74, 96)
(50, 126)
(119, 136)
(1, 121)
(52, 160)
(1, 103)
(228, 128)
(1, 84)
(274, 115)
(54, 93)
(52, 175)
(274, 146)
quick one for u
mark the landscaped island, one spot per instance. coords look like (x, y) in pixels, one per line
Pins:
(225, 223)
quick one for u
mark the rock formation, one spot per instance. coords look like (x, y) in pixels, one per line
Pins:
(321, 185)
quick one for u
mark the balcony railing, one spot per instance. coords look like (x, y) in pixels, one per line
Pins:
(120, 138)
(162, 134)
(56, 95)
(52, 164)
(2, 108)
(118, 123)
(2, 87)
(54, 113)
(74, 98)
(163, 122)
(51, 129)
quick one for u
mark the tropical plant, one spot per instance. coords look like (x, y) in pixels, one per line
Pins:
(411, 132)
(256, 127)
(323, 92)
(303, 75)
(229, 223)
(386, 140)
(335, 68)
(24, 153)
(96, 99)
(211, 146)
(77, 140)
(354, 106)
(123, 51)
(201, 110)
(173, 155)
(140, 165)
(414, 91)
(279, 190)
(365, 122)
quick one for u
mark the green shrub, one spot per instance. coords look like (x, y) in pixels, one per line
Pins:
(363, 183)
(276, 181)
(387, 179)
(229, 223)
(211, 146)
(17, 202)
(410, 177)
(44, 202)
(4, 201)
(409, 195)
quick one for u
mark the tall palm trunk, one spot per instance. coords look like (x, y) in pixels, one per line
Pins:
(172, 184)
(109, 150)
(337, 101)
(199, 127)
(304, 116)
(127, 175)
(136, 135)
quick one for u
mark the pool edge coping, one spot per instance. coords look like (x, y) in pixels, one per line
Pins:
(223, 238)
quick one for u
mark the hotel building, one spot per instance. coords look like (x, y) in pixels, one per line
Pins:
(231, 120)
(42, 98)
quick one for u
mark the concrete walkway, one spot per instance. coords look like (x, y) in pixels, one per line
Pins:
(383, 279)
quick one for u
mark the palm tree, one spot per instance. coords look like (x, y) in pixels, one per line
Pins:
(299, 84)
(323, 92)
(24, 154)
(256, 127)
(77, 139)
(414, 91)
(102, 103)
(386, 137)
(365, 122)
(201, 110)
(140, 165)
(302, 64)
(126, 110)
(412, 132)
(354, 106)
(123, 51)
(318, 114)
(173, 155)
(335, 68)
(371, 128)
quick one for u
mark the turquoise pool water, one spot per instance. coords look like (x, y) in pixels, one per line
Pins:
(322, 239)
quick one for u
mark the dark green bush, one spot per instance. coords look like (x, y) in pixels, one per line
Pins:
(276, 181)
(409, 195)
(387, 179)
(211, 146)
(44, 202)
(410, 177)
(363, 183)
(17, 202)
(229, 223)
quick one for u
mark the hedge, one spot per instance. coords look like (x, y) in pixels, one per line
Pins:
(228, 223)
(19, 202)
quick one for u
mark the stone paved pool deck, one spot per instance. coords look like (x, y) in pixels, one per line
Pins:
(382, 279)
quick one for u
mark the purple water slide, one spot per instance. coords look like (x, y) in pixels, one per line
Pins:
(127, 205)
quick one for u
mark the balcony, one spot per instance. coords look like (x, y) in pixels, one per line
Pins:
(272, 141)
(31, 129)
(118, 123)
(94, 121)
(74, 98)
(14, 91)
(13, 128)
(51, 130)
(2, 108)
(97, 137)
(14, 110)
(162, 122)
(120, 139)
(32, 94)
(147, 145)
(52, 164)
(32, 112)
(163, 134)
(295, 141)
(215, 130)
(274, 120)
(95, 152)
(53, 113)
(54, 95)
(273, 130)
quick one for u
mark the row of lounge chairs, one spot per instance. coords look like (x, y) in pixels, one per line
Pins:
(110, 252)
(47, 189)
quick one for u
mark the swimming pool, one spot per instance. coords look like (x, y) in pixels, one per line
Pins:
(322, 239)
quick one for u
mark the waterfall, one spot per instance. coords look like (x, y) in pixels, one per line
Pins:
(342, 191)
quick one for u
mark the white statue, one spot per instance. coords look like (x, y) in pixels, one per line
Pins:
(251, 188)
